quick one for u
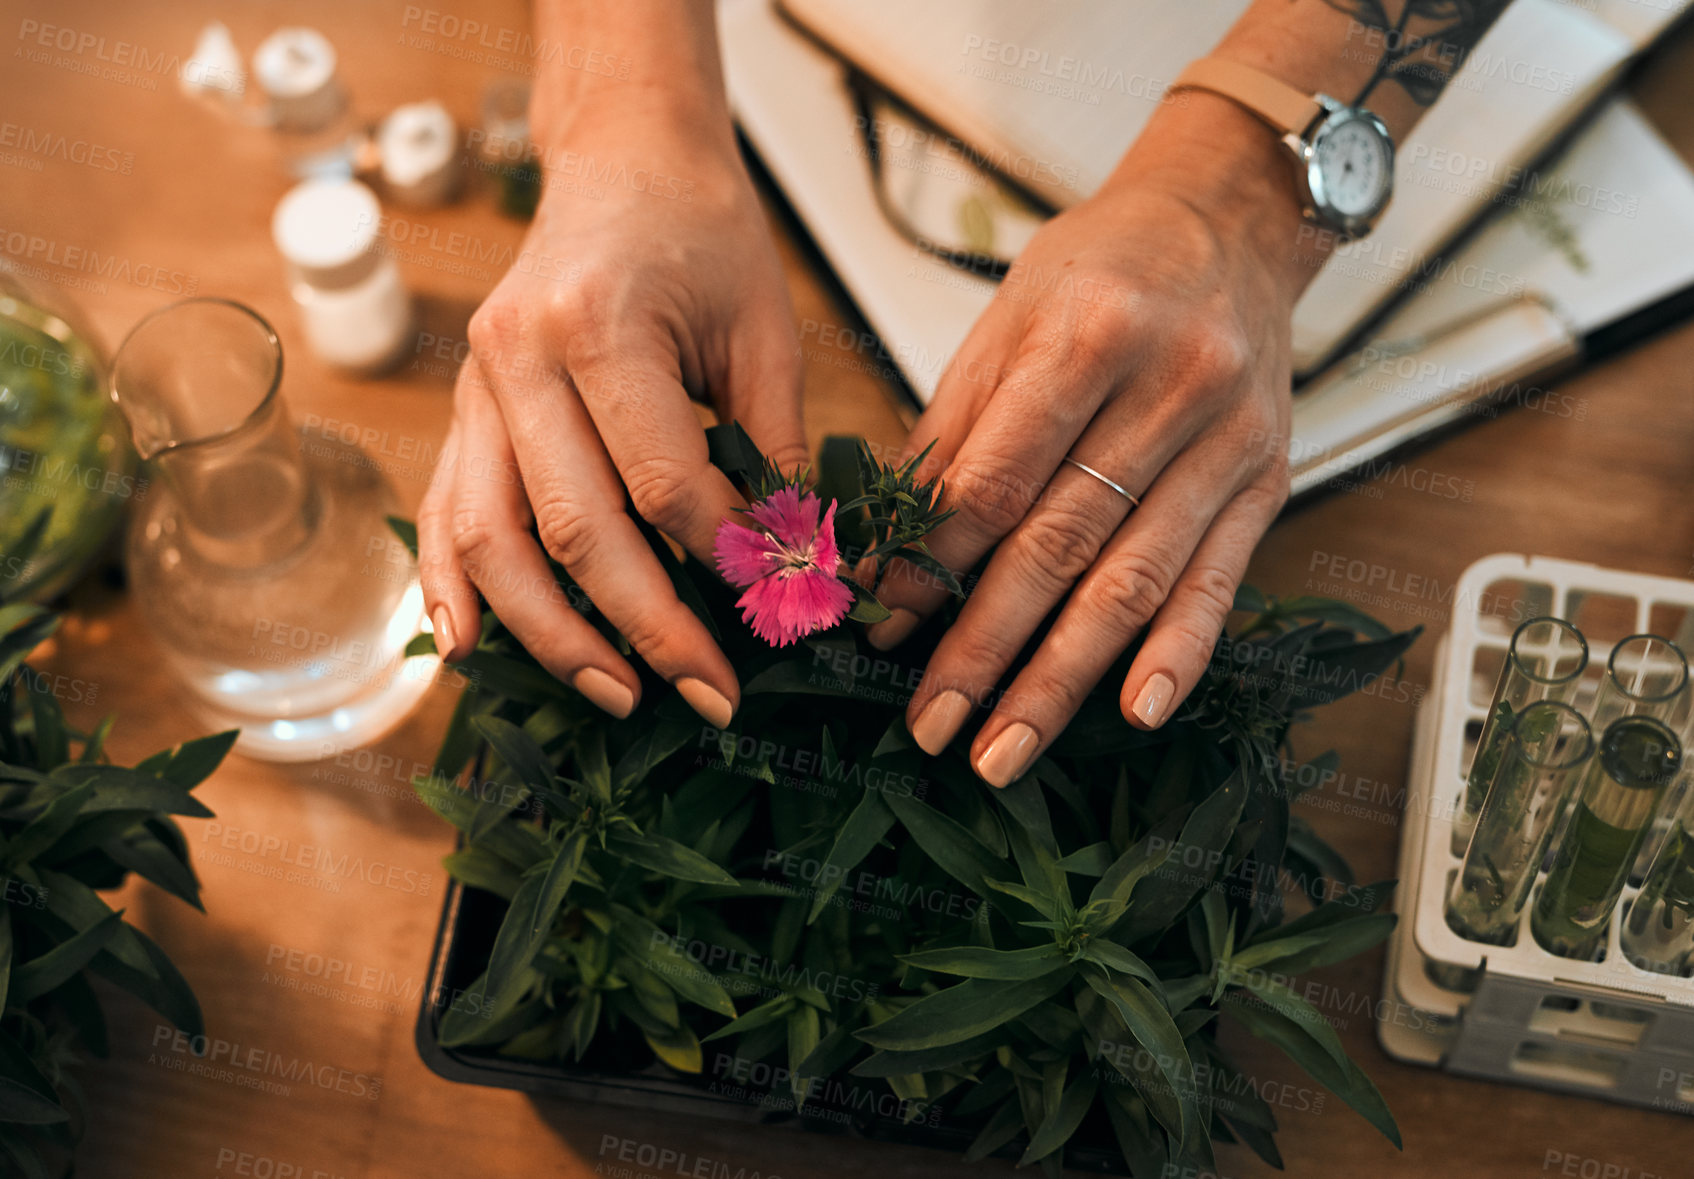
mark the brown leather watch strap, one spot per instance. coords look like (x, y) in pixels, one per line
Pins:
(1274, 101)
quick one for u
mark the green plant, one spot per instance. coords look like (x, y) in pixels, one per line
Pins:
(72, 824)
(1101, 915)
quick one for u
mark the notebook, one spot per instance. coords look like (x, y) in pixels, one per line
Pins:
(1616, 195)
(1053, 94)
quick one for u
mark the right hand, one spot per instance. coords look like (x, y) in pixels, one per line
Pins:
(633, 291)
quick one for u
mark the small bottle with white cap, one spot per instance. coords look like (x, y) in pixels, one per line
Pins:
(419, 146)
(353, 304)
(296, 69)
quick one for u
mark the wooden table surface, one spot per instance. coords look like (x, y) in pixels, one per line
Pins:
(1613, 485)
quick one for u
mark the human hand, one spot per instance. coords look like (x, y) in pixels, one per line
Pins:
(1145, 333)
(630, 294)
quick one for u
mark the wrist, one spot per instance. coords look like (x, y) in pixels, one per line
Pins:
(1237, 173)
(642, 68)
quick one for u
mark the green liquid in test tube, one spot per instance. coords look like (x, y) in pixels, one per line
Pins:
(1637, 758)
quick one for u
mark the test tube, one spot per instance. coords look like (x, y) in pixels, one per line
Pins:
(1646, 675)
(1637, 758)
(1541, 759)
(1545, 662)
(1658, 929)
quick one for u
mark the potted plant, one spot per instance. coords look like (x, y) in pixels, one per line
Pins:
(72, 825)
(805, 909)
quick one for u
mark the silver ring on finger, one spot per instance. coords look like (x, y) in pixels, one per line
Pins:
(1115, 486)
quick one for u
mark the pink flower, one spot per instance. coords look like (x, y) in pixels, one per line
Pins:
(788, 565)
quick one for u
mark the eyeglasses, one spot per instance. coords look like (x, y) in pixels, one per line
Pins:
(936, 191)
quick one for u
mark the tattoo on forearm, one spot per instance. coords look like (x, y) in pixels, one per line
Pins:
(1425, 44)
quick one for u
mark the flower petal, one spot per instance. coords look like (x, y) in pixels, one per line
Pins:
(744, 555)
(824, 551)
(789, 516)
(787, 607)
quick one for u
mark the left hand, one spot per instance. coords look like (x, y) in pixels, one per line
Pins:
(1144, 332)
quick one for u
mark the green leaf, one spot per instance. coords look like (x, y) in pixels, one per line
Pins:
(925, 1060)
(666, 735)
(802, 1040)
(866, 608)
(144, 853)
(25, 1095)
(1000, 1129)
(52, 744)
(1318, 947)
(1142, 1146)
(1345, 1079)
(26, 1160)
(119, 789)
(517, 942)
(561, 874)
(1114, 957)
(1152, 1027)
(518, 750)
(769, 1012)
(665, 856)
(192, 762)
(40, 975)
(480, 868)
(1297, 1011)
(513, 678)
(981, 962)
(865, 827)
(1189, 866)
(1111, 893)
(1062, 1119)
(953, 848)
(78, 907)
(161, 986)
(1327, 675)
(46, 829)
(961, 1011)
(1093, 860)
(653, 948)
(680, 1049)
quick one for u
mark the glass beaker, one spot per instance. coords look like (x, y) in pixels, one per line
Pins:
(262, 561)
(1545, 662)
(1658, 929)
(1638, 757)
(1540, 761)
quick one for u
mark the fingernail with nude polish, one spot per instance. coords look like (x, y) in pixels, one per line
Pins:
(892, 631)
(605, 691)
(1155, 697)
(1008, 755)
(706, 700)
(443, 630)
(940, 720)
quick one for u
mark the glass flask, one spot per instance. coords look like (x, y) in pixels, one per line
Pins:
(1638, 757)
(262, 561)
(1540, 761)
(1545, 662)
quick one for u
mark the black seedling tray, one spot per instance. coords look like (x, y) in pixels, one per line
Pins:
(469, 919)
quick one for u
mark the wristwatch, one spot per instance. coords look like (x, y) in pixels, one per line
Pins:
(1343, 155)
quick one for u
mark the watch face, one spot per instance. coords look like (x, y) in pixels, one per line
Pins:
(1354, 164)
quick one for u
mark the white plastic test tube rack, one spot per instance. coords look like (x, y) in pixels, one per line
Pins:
(1518, 1013)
